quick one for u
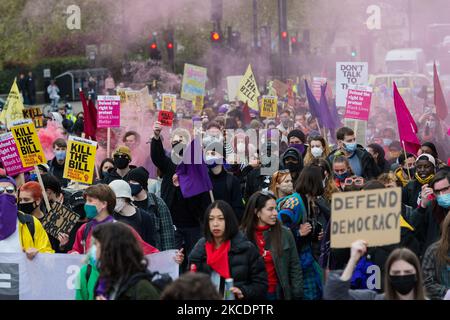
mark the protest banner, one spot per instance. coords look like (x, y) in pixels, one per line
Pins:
(9, 155)
(349, 73)
(198, 103)
(358, 102)
(269, 107)
(60, 219)
(194, 80)
(108, 110)
(36, 115)
(80, 161)
(166, 118)
(280, 87)
(370, 215)
(12, 110)
(169, 102)
(233, 87)
(56, 276)
(28, 144)
(315, 86)
(248, 89)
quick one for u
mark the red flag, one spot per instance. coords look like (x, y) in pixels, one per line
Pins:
(407, 127)
(90, 117)
(246, 114)
(439, 100)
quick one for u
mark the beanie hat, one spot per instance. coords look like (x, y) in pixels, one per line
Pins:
(121, 189)
(122, 150)
(8, 179)
(141, 175)
(297, 133)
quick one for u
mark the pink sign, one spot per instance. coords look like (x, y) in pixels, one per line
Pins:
(9, 155)
(108, 109)
(358, 104)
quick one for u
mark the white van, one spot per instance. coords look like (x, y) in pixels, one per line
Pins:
(405, 60)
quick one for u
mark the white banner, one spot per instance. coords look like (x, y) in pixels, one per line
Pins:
(347, 74)
(54, 276)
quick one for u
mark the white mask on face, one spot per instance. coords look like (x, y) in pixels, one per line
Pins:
(120, 203)
(316, 152)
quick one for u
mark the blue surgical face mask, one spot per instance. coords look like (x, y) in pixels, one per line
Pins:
(91, 211)
(443, 200)
(213, 161)
(350, 147)
(341, 176)
(92, 255)
(387, 141)
(60, 155)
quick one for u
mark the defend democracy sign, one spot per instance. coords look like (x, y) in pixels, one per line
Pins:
(371, 215)
(349, 73)
(55, 276)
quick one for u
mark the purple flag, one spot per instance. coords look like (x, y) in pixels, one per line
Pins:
(314, 106)
(327, 118)
(192, 172)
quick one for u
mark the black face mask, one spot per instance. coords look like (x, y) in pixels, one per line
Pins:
(121, 163)
(293, 167)
(135, 189)
(403, 284)
(27, 208)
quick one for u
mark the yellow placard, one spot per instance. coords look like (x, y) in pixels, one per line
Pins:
(269, 107)
(198, 103)
(36, 115)
(169, 102)
(248, 89)
(370, 215)
(28, 144)
(80, 160)
(12, 110)
(123, 95)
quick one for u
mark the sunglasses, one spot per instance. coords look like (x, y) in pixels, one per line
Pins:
(355, 181)
(9, 190)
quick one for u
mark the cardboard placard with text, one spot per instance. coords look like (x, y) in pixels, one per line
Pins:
(248, 89)
(194, 81)
(233, 87)
(9, 155)
(169, 102)
(36, 115)
(358, 102)
(80, 160)
(348, 74)
(166, 118)
(370, 215)
(269, 107)
(28, 144)
(198, 103)
(60, 219)
(108, 111)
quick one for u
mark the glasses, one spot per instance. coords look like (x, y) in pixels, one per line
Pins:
(442, 191)
(9, 190)
(355, 181)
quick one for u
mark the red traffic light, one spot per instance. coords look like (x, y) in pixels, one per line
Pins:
(293, 40)
(215, 36)
(284, 34)
(170, 45)
(153, 46)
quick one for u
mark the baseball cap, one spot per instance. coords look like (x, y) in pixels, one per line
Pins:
(426, 156)
(121, 189)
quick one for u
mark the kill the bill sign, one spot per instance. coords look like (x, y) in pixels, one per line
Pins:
(28, 144)
(80, 161)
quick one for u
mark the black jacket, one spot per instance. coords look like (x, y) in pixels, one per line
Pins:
(58, 171)
(246, 266)
(185, 212)
(226, 187)
(143, 222)
(410, 193)
(369, 168)
(113, 175)
(255, 182)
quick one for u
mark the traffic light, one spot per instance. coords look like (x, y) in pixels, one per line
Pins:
(215, 36)
(295, 45)
(353, 52)
(155, 54)
(284, 41)
(170, 46)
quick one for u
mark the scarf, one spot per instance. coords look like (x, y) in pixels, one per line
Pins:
(424, 181)
(217, 259)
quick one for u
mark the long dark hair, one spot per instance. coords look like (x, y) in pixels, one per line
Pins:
(231, 223)
(310, 181)
(443, 248)
(121, 255)
(255, 204)
(406, 255)
(100, 171)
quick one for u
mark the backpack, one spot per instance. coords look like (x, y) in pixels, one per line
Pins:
(29, 221)
(159, 280)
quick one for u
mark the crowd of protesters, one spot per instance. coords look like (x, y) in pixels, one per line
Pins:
(270, 233)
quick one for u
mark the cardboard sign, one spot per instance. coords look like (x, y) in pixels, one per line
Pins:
(12, 110)
(194, 81)
(60, 219)
(36, 115)
(371, 215)
(9, 155)
(146, 98)
(347, 74)
(269, 107)
(358, 103)
(198, 103)
(133, 98)
(122, 94)
(233, 87)
(169, 102)
(108, 111)
(248, 89)
(80, 160)
(280, 87)
(28, 144)
(166, 118)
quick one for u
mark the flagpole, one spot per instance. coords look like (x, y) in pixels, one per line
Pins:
(404, 151)
(108, 143)
(44, 194)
